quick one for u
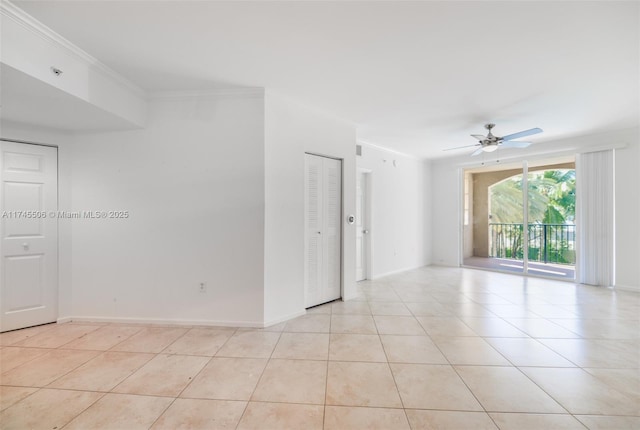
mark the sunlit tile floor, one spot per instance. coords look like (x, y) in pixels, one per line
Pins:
(434, 348)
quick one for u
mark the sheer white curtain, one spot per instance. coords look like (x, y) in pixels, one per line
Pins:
(595, 218)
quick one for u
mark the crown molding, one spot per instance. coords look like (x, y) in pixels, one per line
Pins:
(248, 92)
(385, 149)
(16, 14)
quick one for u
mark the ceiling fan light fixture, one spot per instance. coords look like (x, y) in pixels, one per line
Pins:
(489, 148)
(490, 143)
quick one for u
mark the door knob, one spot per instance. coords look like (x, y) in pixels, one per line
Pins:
(365, 231)
(25, 246)
(319, 232)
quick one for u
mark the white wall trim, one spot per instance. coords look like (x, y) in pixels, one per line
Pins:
(13, 12)
(461, 184)
(392, 151)
(285, 318)
(179, 322)
(442, 264)
(395, 272)
(634, 289)
(249, 92)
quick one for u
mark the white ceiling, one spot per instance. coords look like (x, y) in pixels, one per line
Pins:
(416, 77)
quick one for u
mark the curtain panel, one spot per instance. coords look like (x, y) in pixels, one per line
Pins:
(595, 218)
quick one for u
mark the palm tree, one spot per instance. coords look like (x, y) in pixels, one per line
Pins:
(551, 198)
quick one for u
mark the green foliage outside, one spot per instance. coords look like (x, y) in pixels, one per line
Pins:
(551, 195)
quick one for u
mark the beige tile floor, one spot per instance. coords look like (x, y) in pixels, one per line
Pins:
(434, 348)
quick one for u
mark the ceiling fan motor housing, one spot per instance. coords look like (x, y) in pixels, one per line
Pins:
(491, 139)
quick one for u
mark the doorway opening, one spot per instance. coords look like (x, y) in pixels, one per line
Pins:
(363, 225)
(497, 209)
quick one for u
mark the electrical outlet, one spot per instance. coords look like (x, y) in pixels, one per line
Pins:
(203, 287)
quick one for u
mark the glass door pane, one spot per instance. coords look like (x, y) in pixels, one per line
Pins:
(551, 211)
(506, 221)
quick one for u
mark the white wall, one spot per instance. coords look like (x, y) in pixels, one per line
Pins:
(195, 182)
(291, 130)
(627, 165)
(192, 181)
(400, 210)
(446, 177)
(446, 189)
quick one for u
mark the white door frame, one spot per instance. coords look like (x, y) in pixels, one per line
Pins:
(368, 238)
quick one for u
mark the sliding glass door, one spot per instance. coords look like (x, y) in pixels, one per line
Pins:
(499, 234)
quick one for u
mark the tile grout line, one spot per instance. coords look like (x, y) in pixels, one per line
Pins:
(459, 377)
(57, 326)
(393, 376)
(155, 355)
(127, 338)
(326, 378)
(249, 400)
(84, 410)
(192, 379)
(83, 335)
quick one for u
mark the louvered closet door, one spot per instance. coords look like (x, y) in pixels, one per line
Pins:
(323, 214)
(331, 232)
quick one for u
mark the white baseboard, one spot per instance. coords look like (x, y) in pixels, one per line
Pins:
(395, 272)
(635, 289)
(161, 321)
(284, 318)
(444, 264)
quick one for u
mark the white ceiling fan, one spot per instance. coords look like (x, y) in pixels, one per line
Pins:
(490, 143)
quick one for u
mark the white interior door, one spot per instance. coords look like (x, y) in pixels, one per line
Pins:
(323, 235)
(362, 223)
(29, 235)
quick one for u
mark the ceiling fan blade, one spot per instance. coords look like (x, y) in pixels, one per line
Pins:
(515, 144)
(479, 137)
(460, 147)
(477, 152)
(522, 134)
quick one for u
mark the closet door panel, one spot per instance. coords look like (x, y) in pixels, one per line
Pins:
(323, 229)
(332, 212)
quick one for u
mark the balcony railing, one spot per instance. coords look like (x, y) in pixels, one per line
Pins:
(548, 243)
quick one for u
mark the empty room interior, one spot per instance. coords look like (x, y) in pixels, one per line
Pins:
(319, 215)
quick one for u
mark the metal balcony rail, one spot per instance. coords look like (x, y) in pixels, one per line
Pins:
(548, 243)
